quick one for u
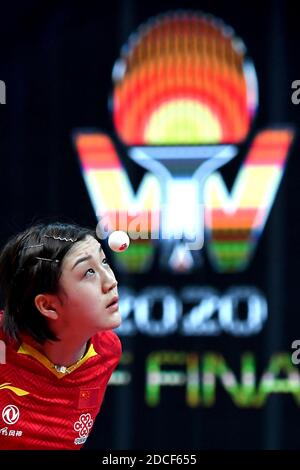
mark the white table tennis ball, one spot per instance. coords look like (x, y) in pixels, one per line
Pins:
(118, 241)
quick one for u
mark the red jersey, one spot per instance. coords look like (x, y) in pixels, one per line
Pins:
(41, 408)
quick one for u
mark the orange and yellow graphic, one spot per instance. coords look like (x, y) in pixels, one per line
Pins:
(16, 390)
(184, 100)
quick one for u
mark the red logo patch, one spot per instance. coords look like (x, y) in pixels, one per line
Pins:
(88, 398)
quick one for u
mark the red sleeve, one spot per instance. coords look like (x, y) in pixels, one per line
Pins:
(108, 346)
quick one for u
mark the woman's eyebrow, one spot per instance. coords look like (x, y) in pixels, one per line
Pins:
(85, 258)
(80, 260)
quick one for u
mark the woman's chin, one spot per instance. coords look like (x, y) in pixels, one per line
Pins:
(113, 322)
(117, 321)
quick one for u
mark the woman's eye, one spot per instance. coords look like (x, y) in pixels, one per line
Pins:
(90, 272)
(105, 261)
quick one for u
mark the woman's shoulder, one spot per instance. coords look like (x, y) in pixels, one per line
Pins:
(107, 343)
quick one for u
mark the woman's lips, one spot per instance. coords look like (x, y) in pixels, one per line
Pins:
(113, 305)
(113, 308)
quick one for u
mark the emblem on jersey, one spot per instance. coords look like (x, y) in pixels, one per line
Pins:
(88, 398)
(10, 414)
(83, 427)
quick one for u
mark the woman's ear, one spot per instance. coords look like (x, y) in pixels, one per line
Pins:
(46, 304)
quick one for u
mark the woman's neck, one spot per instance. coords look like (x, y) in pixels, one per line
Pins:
(61, 353)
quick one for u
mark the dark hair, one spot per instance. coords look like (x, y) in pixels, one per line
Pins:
(30, 264)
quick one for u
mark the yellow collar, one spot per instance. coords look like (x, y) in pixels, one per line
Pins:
(31, 351)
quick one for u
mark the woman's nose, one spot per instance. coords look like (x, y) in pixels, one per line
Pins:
(109, 283)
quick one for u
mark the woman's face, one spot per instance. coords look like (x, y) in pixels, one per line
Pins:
(88, 290)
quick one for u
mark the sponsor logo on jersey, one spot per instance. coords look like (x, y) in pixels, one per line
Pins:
(10, 414)
(83, 427)
(16, 390)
